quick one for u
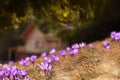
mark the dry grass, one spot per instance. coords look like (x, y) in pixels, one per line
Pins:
(89, 64)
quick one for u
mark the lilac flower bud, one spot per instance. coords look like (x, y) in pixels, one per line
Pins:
(43, 54)
(16, 78)
(82, 44)
(24, 73)
(91, 46)
(7, 74)
(27, 58)
(43, 66)
(10, 62)
(55, 58)
(14, 72)
(117, 36)
(68, 48)
(52, 51)
(108, 47)
(106, 44)
(75, 46)
(24, 62)
(21, 62)
(49, 60)
(62, 52)
(75, 51)
(33, 58)
(113, 33)
(8, 68)
(1, 72)
(71, 52)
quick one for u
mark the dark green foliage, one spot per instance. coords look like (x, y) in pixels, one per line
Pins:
(104, 15)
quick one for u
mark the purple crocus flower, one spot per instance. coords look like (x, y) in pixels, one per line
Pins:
(27, 58)
(27, 78)
(73, 51)
(117, 36)
(16, 78)
(55, 58)
(113, 33)
(82, 44)
(24, 62)
(9, 68)
(43, 66)
(75, 46)
(49, 69)
(8, 72)
(33, 58)
(91, 46)
(14, 72)
(68, 48)
(62, 52)
(1, 72)
(21, 61)
(10, 62)
(70, 52)
(52, 51)
(43, 54)
(24, 73)
(108, 47)
(106, 44)
(47, 59)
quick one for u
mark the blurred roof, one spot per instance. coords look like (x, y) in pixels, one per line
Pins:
(27, 31)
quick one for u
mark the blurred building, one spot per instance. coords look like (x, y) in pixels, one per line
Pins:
(35, 42)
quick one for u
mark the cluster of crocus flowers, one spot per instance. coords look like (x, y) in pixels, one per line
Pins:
(74, 49)
(115, 35)
(46, 65)
(27, 60)
(13, 73)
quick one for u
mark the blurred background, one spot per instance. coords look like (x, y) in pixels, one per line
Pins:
(70, 21)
